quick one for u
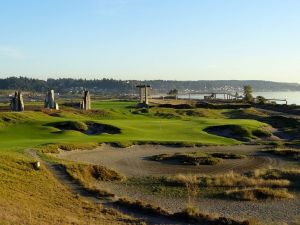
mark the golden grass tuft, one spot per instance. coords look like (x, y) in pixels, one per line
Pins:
(55, 148)
(229, 179)
(255, 194)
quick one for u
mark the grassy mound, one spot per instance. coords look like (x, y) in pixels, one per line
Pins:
(230, 179)
(85, 172)
(195, 158)
(250, 113)
(283, 122)
(238, 132)
(261, 133)
(11, 118)
(223, 155)
(293, 175)
(230, 131)
(54, 148)
(88, 175)
(289, 153)
(70, 125)
(255, 194)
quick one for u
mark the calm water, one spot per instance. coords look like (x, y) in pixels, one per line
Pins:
(292, 97)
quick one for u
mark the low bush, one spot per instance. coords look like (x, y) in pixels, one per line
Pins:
(255, 194)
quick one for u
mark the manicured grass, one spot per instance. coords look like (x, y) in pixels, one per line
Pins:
(28, 129)
(113, 104)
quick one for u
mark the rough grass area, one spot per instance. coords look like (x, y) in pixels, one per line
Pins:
(87, 175)
(195, 216)
(250, 113)
(288, 153)
(170, 113)
(227, 180)
(29, 196)
(293, 175)
(190, 215)
(196, 158)
(255, 194)
(87, 172)
(224, 155)
(55, 148)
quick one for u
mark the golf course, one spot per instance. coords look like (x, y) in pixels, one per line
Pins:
(172, 159)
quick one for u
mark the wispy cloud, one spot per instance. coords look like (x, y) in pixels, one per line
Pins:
(10, 52)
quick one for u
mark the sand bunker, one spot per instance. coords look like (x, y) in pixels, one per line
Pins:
(134, 161)
(89, 128)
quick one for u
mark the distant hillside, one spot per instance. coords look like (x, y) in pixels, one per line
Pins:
(127, 87)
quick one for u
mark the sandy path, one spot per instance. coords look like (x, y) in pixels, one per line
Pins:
(271, 212)
(133, 161)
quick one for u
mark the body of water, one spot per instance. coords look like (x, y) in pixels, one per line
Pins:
(292, 97)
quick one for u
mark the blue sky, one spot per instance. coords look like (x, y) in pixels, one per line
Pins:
(151, 39)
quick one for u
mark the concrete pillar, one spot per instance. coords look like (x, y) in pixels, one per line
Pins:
(50, 101)
(85, 104)
(20, 102)
(17, 103)
(146, 95)
(141, 94)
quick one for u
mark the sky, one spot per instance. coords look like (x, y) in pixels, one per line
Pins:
(151, 39)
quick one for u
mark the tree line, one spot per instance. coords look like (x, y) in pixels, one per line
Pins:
(128, 86)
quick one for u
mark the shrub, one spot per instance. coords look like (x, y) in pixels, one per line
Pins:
(255, 194)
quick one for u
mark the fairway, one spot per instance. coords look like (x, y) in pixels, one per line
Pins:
(30, 129)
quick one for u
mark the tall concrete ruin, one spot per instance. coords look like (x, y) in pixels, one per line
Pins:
(85, 104)
(50, 101)
(144, 95)
(17, 103)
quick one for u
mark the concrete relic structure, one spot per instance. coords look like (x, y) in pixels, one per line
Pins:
(50, 101)
(144, 95)
(85, 104)
(17, 103)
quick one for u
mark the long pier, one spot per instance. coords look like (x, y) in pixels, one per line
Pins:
(213, 95)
